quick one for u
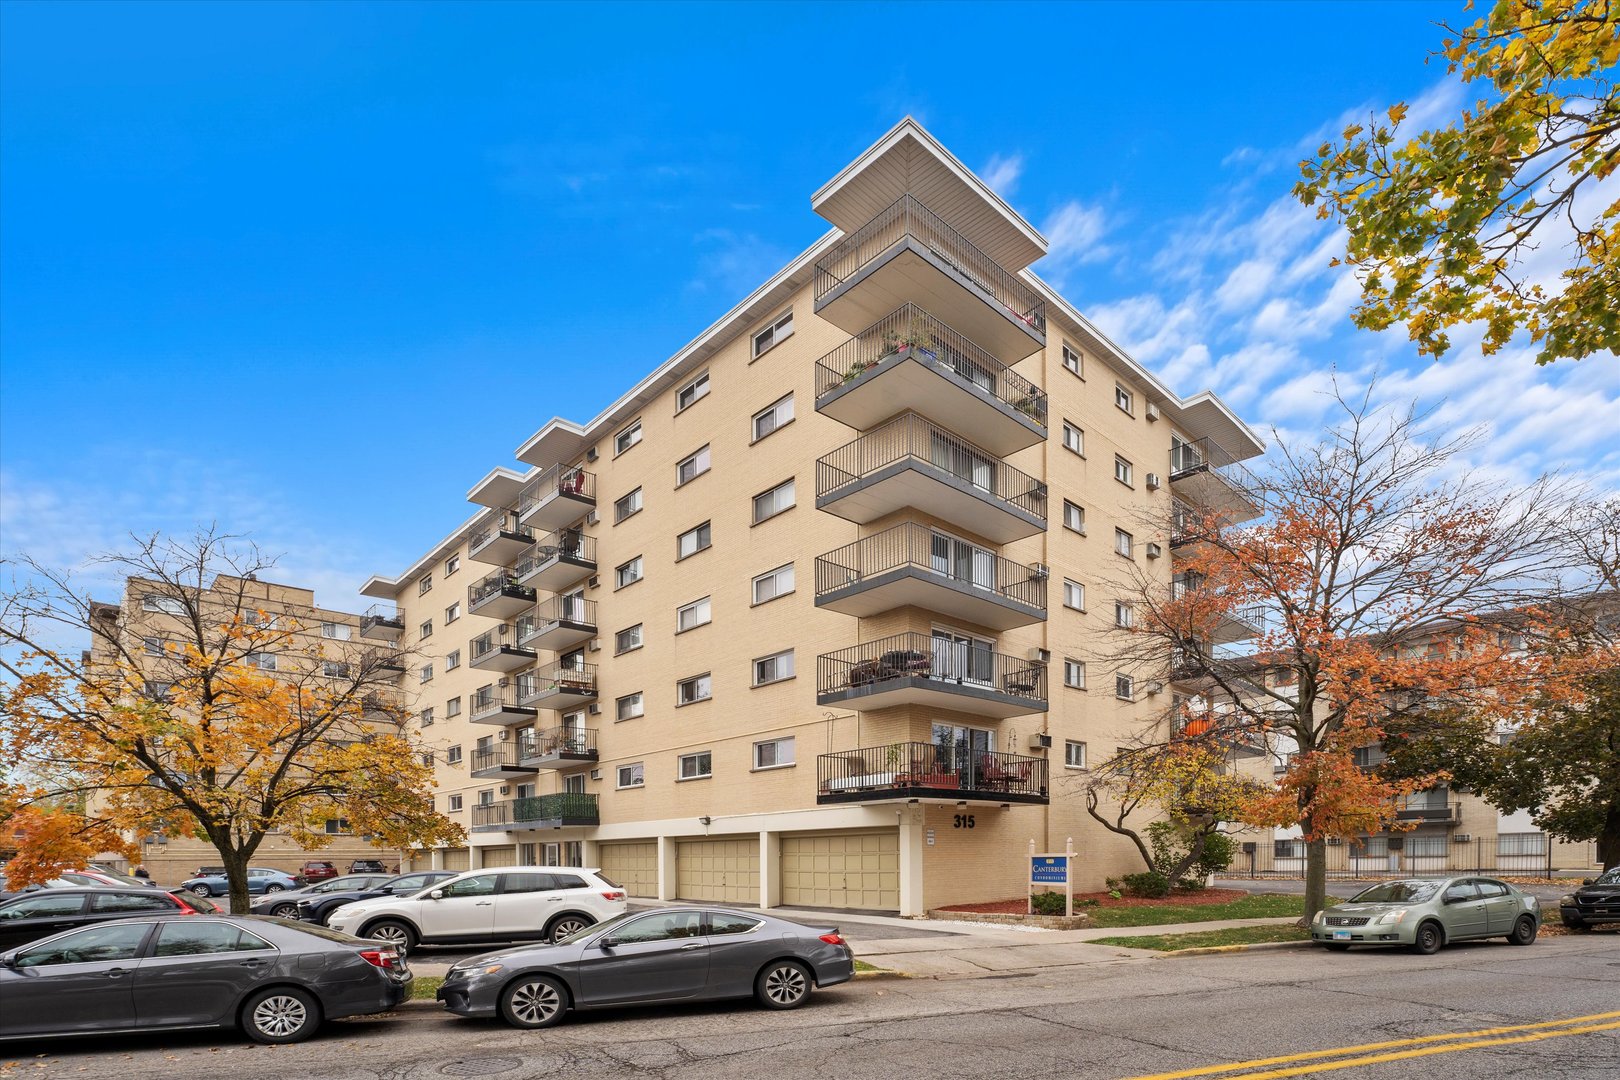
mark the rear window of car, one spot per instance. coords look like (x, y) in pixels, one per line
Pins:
(147, 900)
(730, 924)
(568, 881)
(41, 906)
(204, 905)
(193, 938)
(1397, 892)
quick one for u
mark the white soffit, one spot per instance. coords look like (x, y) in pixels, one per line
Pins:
(497, 489)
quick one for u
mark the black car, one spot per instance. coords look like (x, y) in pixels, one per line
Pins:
(316, 909)
(31, 916)
(1596, 901)
(274, 979)
(284, 905)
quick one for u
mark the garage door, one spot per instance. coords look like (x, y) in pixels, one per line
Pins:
(842, 870)
(726, 871)
(456, 859)
(633, 866)
(500, 856)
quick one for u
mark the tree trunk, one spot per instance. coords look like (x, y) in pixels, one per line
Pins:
(1608, 844)
(1315, 877)
(236, 863)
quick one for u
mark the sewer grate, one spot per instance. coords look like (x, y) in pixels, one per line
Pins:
(481, 1066)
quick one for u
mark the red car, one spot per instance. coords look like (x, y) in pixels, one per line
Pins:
(314, 871)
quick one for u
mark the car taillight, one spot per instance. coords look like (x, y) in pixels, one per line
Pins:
(833, 939)
(613, 895)
(386, 959)
(185, 908)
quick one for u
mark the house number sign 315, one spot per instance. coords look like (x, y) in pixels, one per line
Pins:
(964, 821)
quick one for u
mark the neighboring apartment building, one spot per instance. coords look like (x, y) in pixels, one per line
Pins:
(812, 615)
(149, 616)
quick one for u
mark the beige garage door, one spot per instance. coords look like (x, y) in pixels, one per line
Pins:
(500, 856)
(456, 859)
(726, 871)
(842, 870)
(633, 866)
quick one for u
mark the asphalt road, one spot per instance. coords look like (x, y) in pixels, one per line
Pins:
(1115, 1019)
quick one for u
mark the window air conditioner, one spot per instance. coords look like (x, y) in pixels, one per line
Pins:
(596, 644)
(596, 774)
(1154, 551)
(1040, 572)
(1153, 481)
(1154, 687)
(1152, 411)
(1334, 841)
(503, 735)
(592, 518)
(1041, 656)
(595, 708)
(1462, 838)
(506, 789)
(595, 581)
(591, 454)
(1040, 742)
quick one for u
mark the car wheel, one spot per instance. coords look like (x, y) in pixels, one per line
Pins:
(1336, 946)
(565, 925)
(394, 932)
(282, 1014)
(533, 1001)
(285, 911)
(1575, 924)
(1524, 931)
(1429, 939)
(201, 890)
(273, 887)
(783, 985)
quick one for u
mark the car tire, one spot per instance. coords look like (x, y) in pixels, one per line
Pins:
(200, 890)
(285, 911)
(1336, 946)
(1575, 924)
(783, 984)
(563, 925)
(396, 933)
(281, 1014)
(1524, 931)
(273, 887)
(1429, 939)
(533, 1001)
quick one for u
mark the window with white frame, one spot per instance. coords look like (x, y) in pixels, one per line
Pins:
(452, 708)
(426, 629)
(452, 659)
(773, 753)
(772, 417)
(1074, 517)
(697, 688)
(696, 766)
(452, 756)
(627, 438)
(261, 618)
(1124, 615)
(690, 616)
(1072, 359)
(425, 585)
(1124, 400)
(693, 540)
(629, 706)
(692, 392)
(626, 505)
(334, 669)
(1074, 439)
(627, 573)
(455, 802)
(692, 467)
(166, 605)
(153, 646)
(767, 504)
(632, 775)
(336, 631)
(1124, 687)
(773, 668)
(627, 640)
(1074, 754)
(452, 564)
(1124, 543)
(1074, 673)
(1074, 595)
(425, 674)
(426, 716)
(773, 583)
(452, 613)
(776, 333)
(1123, 471)
(262, 660)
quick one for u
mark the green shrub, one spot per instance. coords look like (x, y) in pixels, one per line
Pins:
(1151, 885)
(1216, 856)
(1047, 903)
(1089, 901)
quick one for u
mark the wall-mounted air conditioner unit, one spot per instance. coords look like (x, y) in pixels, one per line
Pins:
(1154, 687)
(595, 708)
(591, 454)
(1462, 838)
(1040, 742)
(1153, 481)
(503, 735)
(1040, 572)
(596, 644)
(596, 774)
(1152, 411)
(592, 518)
(506, 789)
(1041, 656)
(594, 582)
(1334, 841)
(1154, 551)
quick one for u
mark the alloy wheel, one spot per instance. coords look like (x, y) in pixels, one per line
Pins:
(280, 1015)
(786, 985)
(563, 927)
(534, 1003)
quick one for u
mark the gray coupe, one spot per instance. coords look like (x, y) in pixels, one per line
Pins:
(1425, 913)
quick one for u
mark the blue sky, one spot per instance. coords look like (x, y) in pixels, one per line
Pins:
(238, 241)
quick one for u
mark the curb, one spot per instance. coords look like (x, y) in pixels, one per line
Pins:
(881, 973)
(1213, 950)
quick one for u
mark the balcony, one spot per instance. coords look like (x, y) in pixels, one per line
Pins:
(559, 623)
(558, 561)
(499, 596)
(557, 686)
(559, 496)
(911, 565)
(1230, 624)
(498, 538)
(498, 705)
(564, 810)
(1207, 475)
(491, 652)
(1432, 807)
(382, 622)
(907, 771)
(908, 255)
(382, 707)
(387, 663)
(912, 462)
(494, 762)
(909, 360)
(917, 669)
(558, 748)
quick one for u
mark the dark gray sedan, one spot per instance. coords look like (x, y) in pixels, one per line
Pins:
(276, 980)
(646, 958)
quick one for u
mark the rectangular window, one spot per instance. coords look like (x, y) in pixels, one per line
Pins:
(1073, 360)
(335, 630)
(632, 775)
(774, 334)
(627, 640)
(455, 802)
(1074, 439)
(774, 668)
(425, 630)
(1123, 471)
(627, 438)
(689, 616)
(167, 605)
(153, 646)
(1074, 595)
(1074, 754)
(696, 766)
(773, 753)
(692, 541)
(776, 415)
(1122, 615)
(629, 707)
(627, 505)
(627, 573)
(452, 660)
(452, 564)
(1074, 517)
(426, 716)
(1124, 400)
(425, 585)
(692, 392)
(262, 660)
(773, 583)
(767, 504)
(453, 755)
(452, 707)
(1074, 673)
(1124, 687)
(452, 613)
(693, 467)
(426, 674)
(697, 688)
(1124, 543)
(334, 669)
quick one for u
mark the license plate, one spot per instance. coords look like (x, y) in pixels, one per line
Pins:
(1341, 935)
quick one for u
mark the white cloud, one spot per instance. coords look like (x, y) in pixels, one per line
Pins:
(733, 264)
(1246, 283)
(1001, 173)
(1075, 232)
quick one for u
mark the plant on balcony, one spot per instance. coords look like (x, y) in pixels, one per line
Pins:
(1031, 406)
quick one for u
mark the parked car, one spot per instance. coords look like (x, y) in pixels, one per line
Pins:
(284, 905)
(1425, 913)
(646, 958)
(1596, 901)
(367, 866)
(275, 980)
(36, 915)
(316, 909)
(316, 870)
(514, 903)
(259, 882)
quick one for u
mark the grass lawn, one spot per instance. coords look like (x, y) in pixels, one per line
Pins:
(862, 965)
(1249, 907)
(425, 987)
(1242, 935)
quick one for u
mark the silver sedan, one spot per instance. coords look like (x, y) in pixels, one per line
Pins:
(1425, 913)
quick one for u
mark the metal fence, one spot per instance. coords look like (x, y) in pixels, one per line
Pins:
(941, 660)
(894, 769)
(1529, 854)
(563, 808)
(919, 547)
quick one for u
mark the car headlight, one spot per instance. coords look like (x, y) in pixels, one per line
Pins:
(1568, 901)
(1391, 917)
(1317, 921)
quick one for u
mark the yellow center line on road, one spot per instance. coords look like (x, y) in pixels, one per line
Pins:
(1538, 1027)
(1447, 1048)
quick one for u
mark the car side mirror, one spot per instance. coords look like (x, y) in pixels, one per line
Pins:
(608, 942)
(1587, 880)
(8, 960)
(436, 894)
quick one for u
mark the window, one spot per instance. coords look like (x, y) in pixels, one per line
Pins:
(693, 467)
(167, 605)
(774, 334)
(627, 573)
(1074, 595)
(483, 884)
(427, 759)
(773, 668)
(1073, 360)
(452, 756)
(1124, 544)
(1074, 674)
(697, 688)
(1123, 471)
(696, 766)
(627, 640)
(152, 646)
(44, 906)
(777, 415)
(259, 618)
(425, 585)
(692, 541)
(1074, 439)
(335, 630)
(334, 669)
(767, 504)
(125, 902)
(452, 613)
(452, 660)
(426, 674)
(1124, 687)
(452, 564)
(452, 707)
(1123, 399)
(427, 716)
(425, 630)
(1074, 517)
(1074, 754)
(1122, 614)
(626, 506)
(455, 802)
(96, 944)
(773, 753)
(627, 438)
(632, 775)
(262, 660)
(338, 827)
(691, 616)
(630, 706)
(692, 392)
(773, 583)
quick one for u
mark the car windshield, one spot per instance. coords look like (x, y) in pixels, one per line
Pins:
(605, 924)
(1397, 892)
(1608, 877)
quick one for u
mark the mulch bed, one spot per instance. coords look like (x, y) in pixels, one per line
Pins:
(1018, 905)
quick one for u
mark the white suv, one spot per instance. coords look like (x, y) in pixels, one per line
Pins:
(512, 903)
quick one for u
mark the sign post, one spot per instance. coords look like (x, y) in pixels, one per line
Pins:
(1051, 870)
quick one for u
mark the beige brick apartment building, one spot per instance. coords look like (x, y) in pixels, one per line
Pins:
(810, 616)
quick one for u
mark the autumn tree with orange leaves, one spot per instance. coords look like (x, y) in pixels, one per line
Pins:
(171, 724)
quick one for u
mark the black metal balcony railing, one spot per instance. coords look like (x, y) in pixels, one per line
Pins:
(907, 217)
(938, 660)
(501, 581)
(909, 437)
(917, 546)
(494, 524)
(1183, 586)
(382, 617)
(565, 608)
(922, 770)
(561, 544)
(557, 480)
(912, 333)
(563, 808)
(492, 641)
(1206, 455)
(564, 741)
(488, 700)
(385, 661)
(501, 755)
(564, 677)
